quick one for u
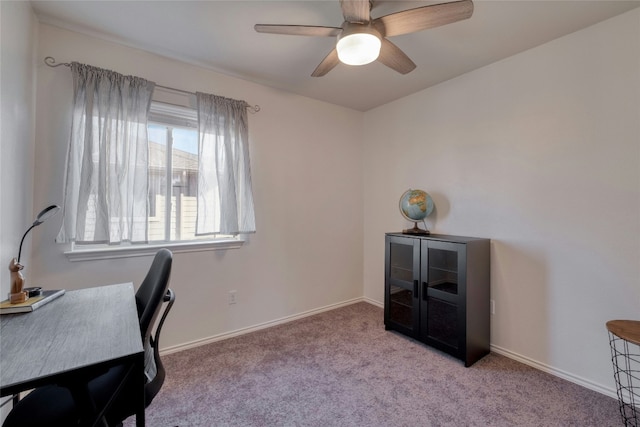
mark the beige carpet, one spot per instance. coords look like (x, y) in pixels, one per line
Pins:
(341, 368)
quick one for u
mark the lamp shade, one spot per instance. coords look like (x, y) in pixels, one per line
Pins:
(358, 44)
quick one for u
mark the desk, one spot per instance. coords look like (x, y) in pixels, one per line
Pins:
(80, 333)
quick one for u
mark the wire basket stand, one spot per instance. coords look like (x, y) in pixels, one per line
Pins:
(624, 339)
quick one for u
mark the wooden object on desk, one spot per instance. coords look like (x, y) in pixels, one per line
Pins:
(17, 294)
(84, 333)
(18, 297)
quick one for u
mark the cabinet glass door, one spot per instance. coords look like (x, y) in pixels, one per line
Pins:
(440, 302)
(442, 323)
(443, 270)
(401, 262)
(402, 304)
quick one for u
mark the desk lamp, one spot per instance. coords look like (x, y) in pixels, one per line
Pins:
(17, 294)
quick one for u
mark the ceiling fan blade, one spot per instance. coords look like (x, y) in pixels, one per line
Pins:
(422, 18)
(393, 57)
(355, 10)
(298, 30)
(327, 64)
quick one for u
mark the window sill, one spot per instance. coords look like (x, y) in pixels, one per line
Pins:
(110, 252)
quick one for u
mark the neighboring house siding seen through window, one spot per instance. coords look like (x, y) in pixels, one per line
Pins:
(173, 177)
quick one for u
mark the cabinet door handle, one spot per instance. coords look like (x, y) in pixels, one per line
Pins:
(415, 289)
(424, 291)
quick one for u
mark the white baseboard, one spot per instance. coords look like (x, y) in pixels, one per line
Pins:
(249, 329)
(608, 391)
(373, 302)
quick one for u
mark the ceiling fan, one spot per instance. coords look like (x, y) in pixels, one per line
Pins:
(362, 40)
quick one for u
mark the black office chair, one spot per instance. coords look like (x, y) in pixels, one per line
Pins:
(111, 392)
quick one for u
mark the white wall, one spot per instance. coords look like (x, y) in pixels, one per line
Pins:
(17, 93)
(306, 161)
(541, 153)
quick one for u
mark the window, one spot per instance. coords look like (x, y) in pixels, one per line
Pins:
(118, 200)
(173, 179)
(173, 174)
(172, 197)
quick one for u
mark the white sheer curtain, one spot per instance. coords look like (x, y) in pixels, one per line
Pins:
(225, 197)
(105, 196)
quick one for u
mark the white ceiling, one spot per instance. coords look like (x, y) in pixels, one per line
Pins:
(219, 35)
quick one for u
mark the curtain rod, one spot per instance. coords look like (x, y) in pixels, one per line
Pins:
(51, 62)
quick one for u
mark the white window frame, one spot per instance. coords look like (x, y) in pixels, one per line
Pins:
(95, 252)
(165, 113)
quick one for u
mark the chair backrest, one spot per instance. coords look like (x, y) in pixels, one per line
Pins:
(151, 292)
(153, 386)
(147, 297)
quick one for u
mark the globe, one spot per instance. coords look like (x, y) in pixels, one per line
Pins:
(416, 205)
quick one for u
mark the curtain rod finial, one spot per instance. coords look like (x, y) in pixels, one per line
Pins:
(51, 62)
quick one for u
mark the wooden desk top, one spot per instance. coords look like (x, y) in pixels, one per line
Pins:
(628, 330)
(93, 327)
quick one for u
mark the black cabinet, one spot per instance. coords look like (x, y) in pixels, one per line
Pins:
(437, 291)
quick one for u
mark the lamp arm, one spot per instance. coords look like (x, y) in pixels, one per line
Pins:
(22, 241)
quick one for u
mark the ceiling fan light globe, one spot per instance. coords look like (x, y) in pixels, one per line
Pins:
(358, 48)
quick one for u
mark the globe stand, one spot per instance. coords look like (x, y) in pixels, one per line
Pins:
(416, 231)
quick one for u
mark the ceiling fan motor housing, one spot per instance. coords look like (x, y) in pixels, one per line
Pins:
(358, 44)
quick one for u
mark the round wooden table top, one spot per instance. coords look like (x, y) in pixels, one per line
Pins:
(628, 330)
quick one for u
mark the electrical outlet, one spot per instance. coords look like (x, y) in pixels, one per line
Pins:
(493, 307)
(232, 297)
